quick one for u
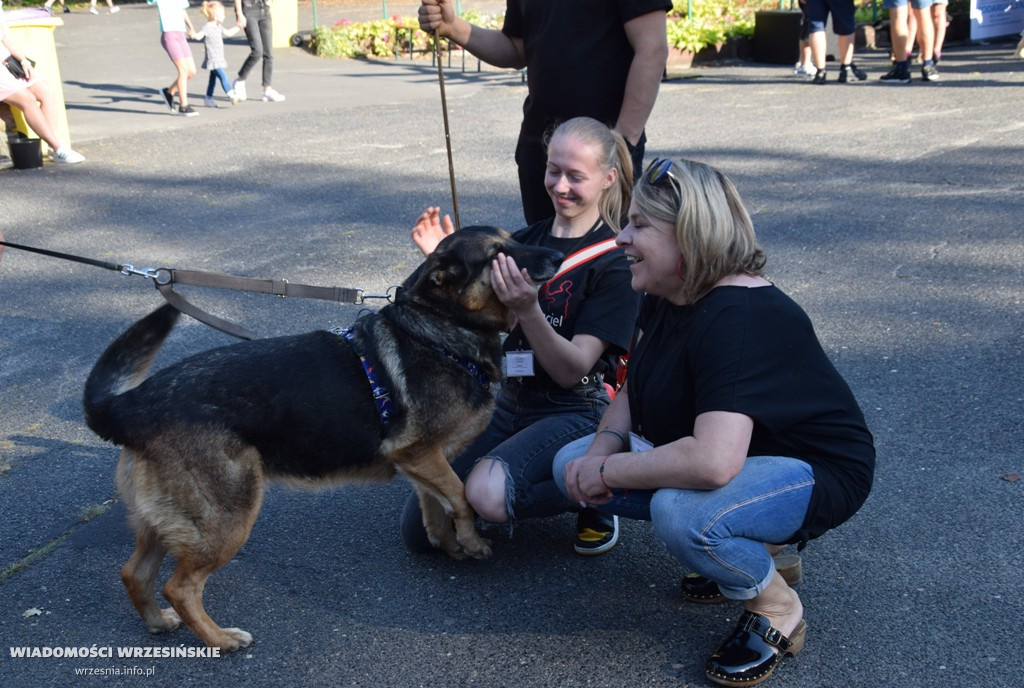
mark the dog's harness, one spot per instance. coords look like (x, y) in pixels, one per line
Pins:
(381, 395)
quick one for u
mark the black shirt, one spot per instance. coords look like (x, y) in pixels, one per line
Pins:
(754, 351)
(593, 298)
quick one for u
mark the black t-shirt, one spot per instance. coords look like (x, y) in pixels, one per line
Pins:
(577, 57)
(754, 351)
(593, 298)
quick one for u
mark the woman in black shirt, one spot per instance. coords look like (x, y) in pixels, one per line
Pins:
(735, 429)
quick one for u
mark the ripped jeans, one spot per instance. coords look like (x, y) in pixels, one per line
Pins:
(719, 533)
(528, 427)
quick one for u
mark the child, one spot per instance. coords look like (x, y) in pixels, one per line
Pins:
(212, 34)
(173, 23)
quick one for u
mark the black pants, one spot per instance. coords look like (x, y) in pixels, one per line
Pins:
(532, 159)
(258, 30)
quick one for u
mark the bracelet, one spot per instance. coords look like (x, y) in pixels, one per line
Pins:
(600, 473)
(616, 434)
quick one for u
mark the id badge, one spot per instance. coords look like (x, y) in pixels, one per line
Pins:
(638, 443)
(519, 364)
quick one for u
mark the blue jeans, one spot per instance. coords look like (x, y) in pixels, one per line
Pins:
(217, 74)
(527, 428)
(719, 533)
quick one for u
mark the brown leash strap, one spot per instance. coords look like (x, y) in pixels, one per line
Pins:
(447, 130)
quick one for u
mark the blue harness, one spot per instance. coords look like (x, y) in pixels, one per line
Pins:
(381, 395)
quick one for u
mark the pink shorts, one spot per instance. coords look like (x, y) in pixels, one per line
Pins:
(176, 45)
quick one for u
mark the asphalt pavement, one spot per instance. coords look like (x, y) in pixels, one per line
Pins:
(893, 214)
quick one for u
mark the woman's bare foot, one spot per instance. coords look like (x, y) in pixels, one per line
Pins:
(780, 604)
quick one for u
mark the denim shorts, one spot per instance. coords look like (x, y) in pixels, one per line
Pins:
(916, 4)
(720, 533)
(842, 11)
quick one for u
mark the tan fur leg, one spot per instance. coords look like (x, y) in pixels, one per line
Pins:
(138, 575)
(431, 472)
(185, 591)
(439, 526)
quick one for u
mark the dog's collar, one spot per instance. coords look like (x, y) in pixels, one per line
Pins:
(471, 367)
(381, 395)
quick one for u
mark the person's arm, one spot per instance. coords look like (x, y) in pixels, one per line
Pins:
(239, 14)
(565, 360)
(16, 53)
(490, 45)
(647, 35)
(706, 460)
(232, 31)
(188, 22)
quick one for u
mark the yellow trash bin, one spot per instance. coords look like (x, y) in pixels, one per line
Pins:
(284, 15)
(32, 30)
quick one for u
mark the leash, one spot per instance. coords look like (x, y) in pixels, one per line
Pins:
(164, 280)
(447, 130)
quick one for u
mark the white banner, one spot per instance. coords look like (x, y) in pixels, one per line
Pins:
(996, 18)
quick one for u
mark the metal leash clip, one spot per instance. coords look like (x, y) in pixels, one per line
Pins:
(158, 275)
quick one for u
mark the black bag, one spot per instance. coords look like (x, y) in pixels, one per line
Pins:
(14, 67)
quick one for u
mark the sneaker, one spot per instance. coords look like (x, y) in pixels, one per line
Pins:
(850, 73)
(168, 98)
(239, 88)
(208, 101)
(93, 10)
(819, 77)
(270, 95)
(67, 156)
(803, 71)
(936, 57)
(929, 73)
(187, 111)
(232, 97)
(896, 75)
(115, 10)
(596, 533)
(67, 10)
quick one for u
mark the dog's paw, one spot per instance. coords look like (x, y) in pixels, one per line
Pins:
(478, 549)
(233, 638)
(169, 621)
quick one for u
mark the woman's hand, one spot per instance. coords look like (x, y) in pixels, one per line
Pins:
(430, 229)
(583, 480)
(513, 286)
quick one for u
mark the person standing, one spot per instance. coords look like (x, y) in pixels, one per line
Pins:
(254, 17)
(602, 59)
(845, 27)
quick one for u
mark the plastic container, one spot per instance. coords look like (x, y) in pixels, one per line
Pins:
(26, 154)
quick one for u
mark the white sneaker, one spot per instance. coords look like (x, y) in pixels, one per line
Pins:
(232, 97)
(94, 10)
(270, 94)
(239, 88)
(67, 156)
(208, 101)
(115, 10)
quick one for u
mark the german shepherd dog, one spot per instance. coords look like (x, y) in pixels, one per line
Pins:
(404, 389)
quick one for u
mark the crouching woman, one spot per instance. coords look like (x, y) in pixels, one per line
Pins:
(734, 429)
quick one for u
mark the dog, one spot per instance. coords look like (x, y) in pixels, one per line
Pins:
(405, 389)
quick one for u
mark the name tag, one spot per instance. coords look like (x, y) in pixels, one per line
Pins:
(638, 443)
(519, 364)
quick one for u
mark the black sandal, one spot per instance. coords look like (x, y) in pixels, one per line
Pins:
(752, 651)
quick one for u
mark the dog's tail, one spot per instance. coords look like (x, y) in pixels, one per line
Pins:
(122, 366)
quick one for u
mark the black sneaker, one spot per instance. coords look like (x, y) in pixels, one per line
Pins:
(851, 73)
(819, 77)
(168, 98)
(596, 533)
(929, 73)
(187, 111)
(896, 75)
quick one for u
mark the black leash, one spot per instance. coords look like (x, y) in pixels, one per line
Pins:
(447, 130)
(165, 278)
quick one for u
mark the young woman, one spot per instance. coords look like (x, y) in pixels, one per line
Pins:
(175, 28)
(32, 97)
(556, 352)
(733, 429)
(254, 16)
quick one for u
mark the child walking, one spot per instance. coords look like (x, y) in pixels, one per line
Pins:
(175, 26)
(212, 35)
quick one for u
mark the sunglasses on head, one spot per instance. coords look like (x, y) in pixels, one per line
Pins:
(659, 173)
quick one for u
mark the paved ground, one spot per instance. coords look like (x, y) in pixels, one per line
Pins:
(893, 214)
